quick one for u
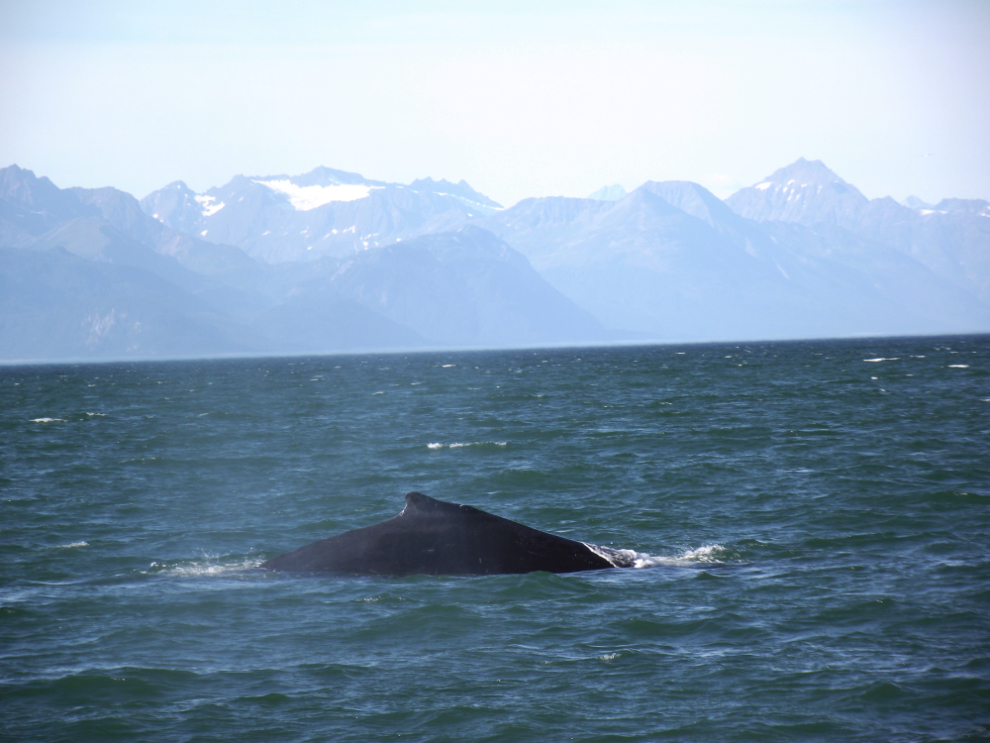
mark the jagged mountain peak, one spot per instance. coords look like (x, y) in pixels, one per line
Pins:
(22, 185)
(805, 191)
(178, 186)
(14, 173)
(34, 205)
(324, 176)
(615, 192)
(323, 212)
(176, 206)
(976, 207)
(668, 199)
(804, 172)
(692, 198)
(461, 190)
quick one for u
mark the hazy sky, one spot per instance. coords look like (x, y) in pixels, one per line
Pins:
(518, 98)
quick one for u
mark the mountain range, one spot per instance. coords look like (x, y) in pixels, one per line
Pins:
(322, 213)
(331, 261)
(673, 262)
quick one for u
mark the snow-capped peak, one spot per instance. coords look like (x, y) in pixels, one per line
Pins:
(304, 198)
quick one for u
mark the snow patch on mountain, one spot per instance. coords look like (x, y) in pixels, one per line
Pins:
(305, 198)
(209, 208)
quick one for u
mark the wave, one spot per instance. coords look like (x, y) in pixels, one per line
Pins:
(75, 417)
(208, 568)
(708, 554)
(437, 445)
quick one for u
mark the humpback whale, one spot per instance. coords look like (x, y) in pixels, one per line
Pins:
(432, 537)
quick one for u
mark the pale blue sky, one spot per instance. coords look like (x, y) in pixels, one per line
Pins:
(519, 98)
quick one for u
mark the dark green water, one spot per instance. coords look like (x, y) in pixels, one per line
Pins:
(817, 521)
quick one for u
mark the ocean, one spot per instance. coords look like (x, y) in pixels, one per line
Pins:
(812, 518)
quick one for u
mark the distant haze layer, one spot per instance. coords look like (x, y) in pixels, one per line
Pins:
(519, 99)
(330, 261)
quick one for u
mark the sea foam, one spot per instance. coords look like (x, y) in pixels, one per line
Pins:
(438, 445)
(207, 568)
(622, 558)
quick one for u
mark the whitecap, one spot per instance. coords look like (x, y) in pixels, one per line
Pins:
(709, 553)
(48, 420)
(959, 366)
(881, 358)
(435, 445)
(461, 445)
(73, 545)
(207, 569)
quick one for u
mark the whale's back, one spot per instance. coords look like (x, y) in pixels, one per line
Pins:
(434, 537)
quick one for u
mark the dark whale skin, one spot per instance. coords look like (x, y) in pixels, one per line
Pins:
(432, 537)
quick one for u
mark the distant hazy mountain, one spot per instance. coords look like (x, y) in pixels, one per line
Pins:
(331, 261)
(56, 305)
(915, 203)
(460, 190)
(325, 212)
(671, 261)
(952, 239)
(609, 193)
(85, 273)
(465, 288)
(805, 191)
(971, 207)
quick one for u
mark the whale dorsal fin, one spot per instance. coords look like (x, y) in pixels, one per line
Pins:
(418, 504)
(421, 503)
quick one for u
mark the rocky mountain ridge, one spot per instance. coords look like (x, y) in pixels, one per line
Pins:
(674, 262)
(325, 212)
(332, 261)
(85, 273)
(952, 239)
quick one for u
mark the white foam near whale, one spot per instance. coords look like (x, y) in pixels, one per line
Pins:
(631, 558)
